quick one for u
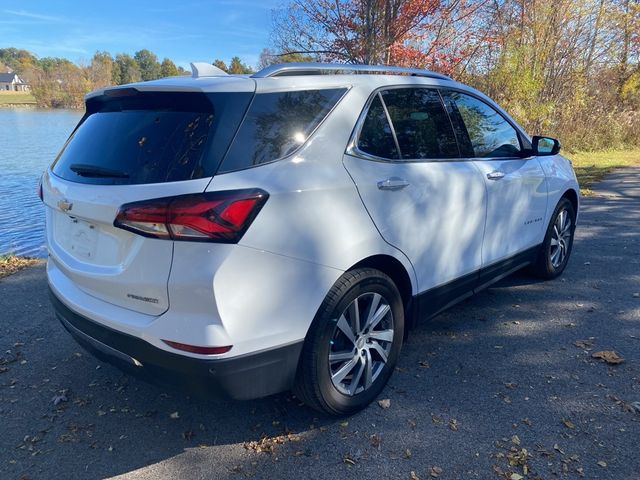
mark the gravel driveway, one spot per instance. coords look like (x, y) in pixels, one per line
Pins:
(502, 386)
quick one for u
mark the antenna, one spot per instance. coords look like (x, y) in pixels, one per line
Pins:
(204, 69)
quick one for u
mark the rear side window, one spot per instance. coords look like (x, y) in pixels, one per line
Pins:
(376, 137)
(488, 131)
(277, 124)
(148, 137)
(421, 124)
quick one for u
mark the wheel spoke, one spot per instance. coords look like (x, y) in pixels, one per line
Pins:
(345, 328)
(378, 348)
(368, 372)
(343, 371)
(554, 242)
(354, 316)
(554, 257)
(341, 356)
(355, 381)
(382, 335)
(375, 302)
(379, 315)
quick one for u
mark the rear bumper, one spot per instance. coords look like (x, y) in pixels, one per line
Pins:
(242, 377)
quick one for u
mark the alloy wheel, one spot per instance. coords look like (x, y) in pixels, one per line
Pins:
(361, 343)
(560, 239)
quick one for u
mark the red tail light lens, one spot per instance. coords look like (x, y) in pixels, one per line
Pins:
(221, 217)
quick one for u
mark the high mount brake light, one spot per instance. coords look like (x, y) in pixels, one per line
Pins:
(220, 217)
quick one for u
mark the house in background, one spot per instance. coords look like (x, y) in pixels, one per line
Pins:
(10, 81)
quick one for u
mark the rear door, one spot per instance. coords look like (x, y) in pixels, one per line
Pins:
(131, 146)
(516, 186)
(423, 199)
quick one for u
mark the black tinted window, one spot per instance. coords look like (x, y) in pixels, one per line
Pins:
(421, 123)
(277, 124)
(490, 134)
(151, 137)
(376, 137)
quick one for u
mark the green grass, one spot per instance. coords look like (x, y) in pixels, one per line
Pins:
(10, 264)
(592, 167)
(17, 99)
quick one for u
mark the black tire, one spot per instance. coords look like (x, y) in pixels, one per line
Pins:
(543, 266)
(314, 384)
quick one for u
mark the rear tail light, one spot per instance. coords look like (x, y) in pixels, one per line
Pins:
(221, 217)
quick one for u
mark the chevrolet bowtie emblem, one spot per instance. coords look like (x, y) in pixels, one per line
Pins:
(65, 206)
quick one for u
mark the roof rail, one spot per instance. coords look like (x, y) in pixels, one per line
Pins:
(285, 69)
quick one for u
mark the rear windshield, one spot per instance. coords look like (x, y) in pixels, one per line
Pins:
(147, 137)
(277, 124)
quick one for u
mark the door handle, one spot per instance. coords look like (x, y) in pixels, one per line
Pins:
(497, 175)
(393, 183)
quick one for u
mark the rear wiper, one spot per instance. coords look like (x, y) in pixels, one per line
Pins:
(92, 171)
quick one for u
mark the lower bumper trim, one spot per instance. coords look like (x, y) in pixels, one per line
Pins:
(243, 377)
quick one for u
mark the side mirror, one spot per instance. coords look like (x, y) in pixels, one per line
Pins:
(544, 146)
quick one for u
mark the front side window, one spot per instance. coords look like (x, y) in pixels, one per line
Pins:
(489, 133)
(277, 124)
(421, 124)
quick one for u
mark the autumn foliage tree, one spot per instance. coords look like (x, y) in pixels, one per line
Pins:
(416, 33)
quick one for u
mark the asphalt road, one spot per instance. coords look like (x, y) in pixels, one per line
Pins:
(485, 388)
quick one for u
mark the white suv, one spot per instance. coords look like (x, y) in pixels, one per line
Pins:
(252, 234)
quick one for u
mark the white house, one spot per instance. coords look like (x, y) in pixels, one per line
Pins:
(12, 82)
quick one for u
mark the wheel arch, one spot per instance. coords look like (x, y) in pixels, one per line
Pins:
(394, 268)
(572, 196)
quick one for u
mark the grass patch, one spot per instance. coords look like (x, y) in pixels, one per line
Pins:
(591, 167)
(10, 264)
(17, 99)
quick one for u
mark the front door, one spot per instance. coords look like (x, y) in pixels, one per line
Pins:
(516, 186)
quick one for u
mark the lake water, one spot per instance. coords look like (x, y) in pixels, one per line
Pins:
(29, 141)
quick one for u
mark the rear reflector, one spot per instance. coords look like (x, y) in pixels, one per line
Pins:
(195, 349)
(221, 217)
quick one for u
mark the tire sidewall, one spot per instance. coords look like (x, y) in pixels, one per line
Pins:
(336, 400)
(552, 271)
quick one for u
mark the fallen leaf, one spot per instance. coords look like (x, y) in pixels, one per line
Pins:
(569, 424)
(424, 364)
(516, 476)
(557, 447)
(453, 424)
(413, 476)
(609, 356)
(511, 385)
(59, 399)
(584, 344)
(602, 463)
(348, 460)
(435, 472)
(407, 453)
(515, 440)
(384, 403)
(174, 415)
(376, 441)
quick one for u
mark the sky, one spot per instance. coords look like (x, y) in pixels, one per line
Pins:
(185, 31)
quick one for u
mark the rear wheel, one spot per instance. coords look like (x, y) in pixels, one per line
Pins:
(353, 344)
(558, 242)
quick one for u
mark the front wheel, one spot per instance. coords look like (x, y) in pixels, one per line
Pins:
(353, 344)
(558, 242)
